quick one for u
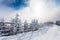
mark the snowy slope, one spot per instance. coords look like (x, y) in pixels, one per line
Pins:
(48, 33)
(52, 34)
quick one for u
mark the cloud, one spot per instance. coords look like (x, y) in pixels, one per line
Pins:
(54, 8)
(43, 10)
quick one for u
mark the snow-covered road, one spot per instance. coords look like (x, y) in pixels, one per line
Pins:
(48, 33)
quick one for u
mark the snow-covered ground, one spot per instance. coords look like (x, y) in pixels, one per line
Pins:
(52, 34)
(46, 33)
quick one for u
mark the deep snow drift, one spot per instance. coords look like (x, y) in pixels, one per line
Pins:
(48, 33)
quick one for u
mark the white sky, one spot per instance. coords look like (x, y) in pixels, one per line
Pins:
(42, 10)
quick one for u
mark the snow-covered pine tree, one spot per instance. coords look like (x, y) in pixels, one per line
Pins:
(13, 21)
(2, 22)
(25, 26)
(34, 25)
(20, 28)
(16, 23)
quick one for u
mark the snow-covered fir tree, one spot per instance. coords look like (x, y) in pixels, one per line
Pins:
(13, 21)
(34, 25)
(26, 26)
(2, 22)
(16, 24)
(20, 28)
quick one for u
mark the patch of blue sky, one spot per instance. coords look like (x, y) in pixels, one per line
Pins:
(57, 2)
(17, 4)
